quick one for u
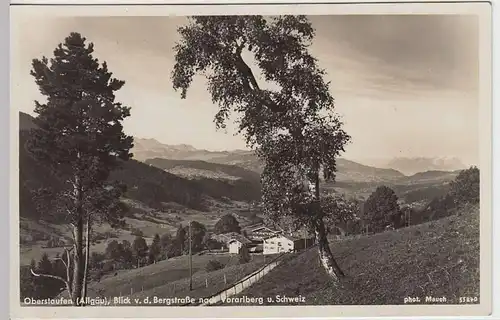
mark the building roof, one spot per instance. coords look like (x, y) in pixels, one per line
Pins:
(264, 227)
(289, 237)
(229, 235)
(240, 238)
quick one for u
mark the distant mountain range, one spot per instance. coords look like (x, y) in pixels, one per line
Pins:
(187, 175)
(412, 165)
(185, 165)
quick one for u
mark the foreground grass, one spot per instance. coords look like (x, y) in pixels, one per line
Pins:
(214, 280)
(171, 277)
(438, 259)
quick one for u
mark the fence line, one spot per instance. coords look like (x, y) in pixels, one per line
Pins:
(241, 284)
(246, 281)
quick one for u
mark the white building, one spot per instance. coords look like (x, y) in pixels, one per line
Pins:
(261, 232)
(237, 242)
(284, 243)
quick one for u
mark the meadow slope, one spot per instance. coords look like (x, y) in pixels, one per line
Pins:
(439, 259)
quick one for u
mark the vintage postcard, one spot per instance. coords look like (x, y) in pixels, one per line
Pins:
(251, 160)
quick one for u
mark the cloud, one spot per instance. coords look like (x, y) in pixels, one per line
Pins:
(401, 82)
(426, 52)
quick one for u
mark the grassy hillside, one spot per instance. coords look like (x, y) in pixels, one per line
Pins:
(170, 278)
(225, 171)
(439, 258)
(218, 180)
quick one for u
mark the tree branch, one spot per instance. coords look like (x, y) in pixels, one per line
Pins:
(68, 274)
(245, 70)
(62, 260)
(47, 276)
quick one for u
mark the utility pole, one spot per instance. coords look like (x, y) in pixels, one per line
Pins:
(305, 239)
(190, 260)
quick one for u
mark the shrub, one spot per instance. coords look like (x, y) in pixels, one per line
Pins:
(108, 266)
(226, 224)
(213, 265)
(465, 187)
(382, 209)
(244, 255)
(137, 232)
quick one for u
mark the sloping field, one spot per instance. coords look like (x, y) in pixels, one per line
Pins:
(171, 277)
(438, 259)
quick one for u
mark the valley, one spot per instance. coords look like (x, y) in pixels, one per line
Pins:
(170, 185)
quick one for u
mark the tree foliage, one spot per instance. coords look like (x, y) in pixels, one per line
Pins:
(155, 249)
(289, 119)
(198, 232)
(381, 209)
(227, 223)
(465, 187)
(140, 249)
(340, 213)
(244, 255)
(114, 250)
(213, 265)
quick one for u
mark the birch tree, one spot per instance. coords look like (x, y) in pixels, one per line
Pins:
(260, 68)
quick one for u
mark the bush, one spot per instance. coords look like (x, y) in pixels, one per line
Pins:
(244, 255)
(137, 232)
(108, 266)
(213, 265)
(228, 223)
(382, 209)
(465, 187)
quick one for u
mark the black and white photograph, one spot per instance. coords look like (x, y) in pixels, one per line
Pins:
(268, 159)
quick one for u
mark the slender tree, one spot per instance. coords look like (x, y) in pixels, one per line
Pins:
(382, 209)
(288, 118)
(198, 232)
(79, 136)
(154, 249)
(140, 249)
(181, 238)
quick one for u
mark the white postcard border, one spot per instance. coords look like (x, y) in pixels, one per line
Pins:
(482, 9)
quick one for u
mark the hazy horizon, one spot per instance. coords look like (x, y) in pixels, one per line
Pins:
(399, 94)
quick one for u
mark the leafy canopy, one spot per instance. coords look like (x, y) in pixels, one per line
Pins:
(226, 224)
(289, 119)
(466, 187)
(340, 212)
(382, 208)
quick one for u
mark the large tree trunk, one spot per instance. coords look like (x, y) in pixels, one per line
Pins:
(325, 254)
(78, 245)
(78, 263)
(87, 256)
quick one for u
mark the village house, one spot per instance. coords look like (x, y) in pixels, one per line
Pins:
(259, 233)
(224, 237)
(237, 242)
(285, 243)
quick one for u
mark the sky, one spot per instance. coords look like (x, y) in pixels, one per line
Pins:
(405, 86)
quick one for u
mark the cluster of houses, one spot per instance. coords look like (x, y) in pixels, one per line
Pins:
(262, 239)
